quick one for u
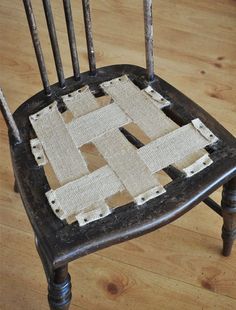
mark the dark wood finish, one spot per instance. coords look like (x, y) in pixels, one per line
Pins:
(54, 42)
(11, 124)
(89, 36)
(229, 216)
(37, 45)
(213, 205)
(59, 282)
(59, 289)
(71, 37)
(148, 26)
(59, 243)
(16, 189)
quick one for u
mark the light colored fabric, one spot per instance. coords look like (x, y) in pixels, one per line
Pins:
(205, 132)
(140, 107)
(144, 108)
(199, 160)
(76, 196)
(189, 160)
(175, 146)
(38, 152)
(94, 124)
(122, 157)
(83, 195)
(66, 160)
(198, 165)
(158, 99)
(96, 211)
(80, 102)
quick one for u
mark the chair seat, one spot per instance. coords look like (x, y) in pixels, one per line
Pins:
(173, 134)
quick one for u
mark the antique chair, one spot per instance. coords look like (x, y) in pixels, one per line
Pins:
(173, 134)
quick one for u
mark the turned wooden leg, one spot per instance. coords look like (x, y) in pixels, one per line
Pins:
(59, 289)
(228, 204)
(59, 284)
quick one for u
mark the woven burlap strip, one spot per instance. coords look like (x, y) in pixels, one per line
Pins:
(122, 157)
(94, 124)
(66, 160)
(83, 197)
(140, 107)
(189, 161)
(144, 108)
(198, 165)
(175, 146)
(38, 152)
(80, 102)
(79, 195)
(96, 211)
(157, 98)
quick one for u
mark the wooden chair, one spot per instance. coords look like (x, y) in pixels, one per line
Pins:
(136, 94)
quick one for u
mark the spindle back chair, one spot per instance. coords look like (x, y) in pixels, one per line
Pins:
(59, 242)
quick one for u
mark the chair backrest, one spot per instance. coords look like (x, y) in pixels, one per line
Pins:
(147, 5)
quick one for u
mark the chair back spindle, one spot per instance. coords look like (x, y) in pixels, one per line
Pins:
(89, 36)
(37, 45)
(148, 26)
(11, 124)
(54, 42)
(147, 6)
(71, 38)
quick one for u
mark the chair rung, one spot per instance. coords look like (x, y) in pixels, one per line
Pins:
(213, 205)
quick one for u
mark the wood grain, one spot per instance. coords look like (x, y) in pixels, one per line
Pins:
(179, 266)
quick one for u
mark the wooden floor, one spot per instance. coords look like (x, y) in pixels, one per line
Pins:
(179, 266)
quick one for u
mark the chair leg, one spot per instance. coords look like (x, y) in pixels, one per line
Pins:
(16, 189)
(228, 204)
(59, 289)
(59, 284)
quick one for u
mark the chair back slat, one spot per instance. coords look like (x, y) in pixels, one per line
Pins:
(148, 26)
(54, 42)
(37, 45)
(71, 37)
(89, 36)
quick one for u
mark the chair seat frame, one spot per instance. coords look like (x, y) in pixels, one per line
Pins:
(61, 242)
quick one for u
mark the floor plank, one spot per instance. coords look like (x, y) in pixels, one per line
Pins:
(115, 285)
